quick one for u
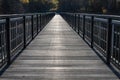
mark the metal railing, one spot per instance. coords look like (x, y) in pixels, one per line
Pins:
(17, 31)
(101, 32)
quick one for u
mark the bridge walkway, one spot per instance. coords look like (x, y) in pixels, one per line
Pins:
(58, 53)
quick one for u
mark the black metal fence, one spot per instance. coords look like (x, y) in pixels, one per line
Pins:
(101, 32)
(17, 31)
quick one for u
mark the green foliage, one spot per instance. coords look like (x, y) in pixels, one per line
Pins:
(92, 6)
(12, 6)
(28, 6)
(33, 6)
(39, 6)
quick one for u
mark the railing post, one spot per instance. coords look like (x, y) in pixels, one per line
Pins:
(84, 27)
(32, 27)
(72, 21)
(92, 27)
(37, 24)
(109, 39)
(8, 40)
(24, 27)
(79, 24)
(75, 24)
(40, 22)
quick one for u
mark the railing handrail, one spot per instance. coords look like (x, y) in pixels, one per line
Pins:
(96, 15)
(25, 14)
(101, 32)
(17, 31)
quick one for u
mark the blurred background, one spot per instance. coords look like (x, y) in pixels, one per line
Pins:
(34, 6)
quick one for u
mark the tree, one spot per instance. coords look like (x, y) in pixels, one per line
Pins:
(95, 6)
(12, 6)
(72, 5)
(1, 9)
(39, 5)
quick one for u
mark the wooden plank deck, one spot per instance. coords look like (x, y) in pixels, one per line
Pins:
(58, 53)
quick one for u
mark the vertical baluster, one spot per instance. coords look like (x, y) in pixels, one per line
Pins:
(75, 24)
(40, 22)
(32, 27)
(92, 27)
(8, 40)
(24, 29)
(78, 24)
(109, 39)
(84, 27)
(37, 24)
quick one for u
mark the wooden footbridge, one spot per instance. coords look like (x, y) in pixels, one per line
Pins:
(70, 47)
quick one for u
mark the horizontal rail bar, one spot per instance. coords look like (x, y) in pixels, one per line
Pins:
(101, 32)
(17, 31)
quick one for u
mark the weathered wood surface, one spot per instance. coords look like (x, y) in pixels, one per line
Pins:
(58, 53)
